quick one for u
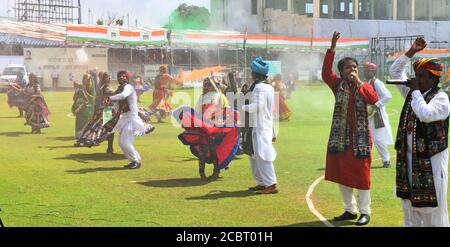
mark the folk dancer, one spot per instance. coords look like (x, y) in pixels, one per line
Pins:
(15, 97)
(93, 132)
(260, 135)
(422, 141)
(83, 104)
(129, 125)
(160, 107)
(36, 109)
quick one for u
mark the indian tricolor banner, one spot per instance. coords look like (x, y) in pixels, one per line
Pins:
(115, 35)
(236, 39)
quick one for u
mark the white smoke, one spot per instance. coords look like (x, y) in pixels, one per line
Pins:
(82, 56)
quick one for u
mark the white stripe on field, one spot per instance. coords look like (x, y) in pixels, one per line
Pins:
(311, 204)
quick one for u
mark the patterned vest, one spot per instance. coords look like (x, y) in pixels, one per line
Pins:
(428, 139)
(340, 129)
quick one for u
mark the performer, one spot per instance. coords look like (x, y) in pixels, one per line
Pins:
(379, 124)
(211, 130)
(15, 97)
(129, 125)
(260, 133)
(281, 110)
(83, 104)
(93, 132)
(349, 147)
(138, 84)
(422, 141)
(36, 109)
(160, 107)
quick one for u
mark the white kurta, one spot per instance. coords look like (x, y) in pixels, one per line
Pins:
(382, 135)
(261, 116)
(130, 124)
(437, 109)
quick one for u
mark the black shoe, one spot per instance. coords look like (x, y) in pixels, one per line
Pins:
(150, 130)
(346, 216)
(364, 219)
(257, 188)
(129, 165)
(135, 165)
(386, 164)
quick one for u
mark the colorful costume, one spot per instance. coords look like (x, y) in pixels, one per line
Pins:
(83, 104)
(36, 109)
(160, 107)
(15, 95)
(281, 110)
(422, 148)
(211, 131)
(349, 149)
(93, 133)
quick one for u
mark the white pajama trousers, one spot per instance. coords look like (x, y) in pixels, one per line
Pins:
(263, 171)
(383, 150)
(126, 140)
(349, 200)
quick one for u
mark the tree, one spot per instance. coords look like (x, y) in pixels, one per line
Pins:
(189, 17)
(100, 22)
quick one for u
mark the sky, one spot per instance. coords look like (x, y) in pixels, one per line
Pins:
(149, 13)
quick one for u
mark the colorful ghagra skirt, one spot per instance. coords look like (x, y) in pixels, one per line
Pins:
(198, 132)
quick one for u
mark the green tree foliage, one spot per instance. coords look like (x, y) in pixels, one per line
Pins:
(189, 17)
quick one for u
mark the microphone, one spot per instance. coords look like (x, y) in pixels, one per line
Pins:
(398, 82)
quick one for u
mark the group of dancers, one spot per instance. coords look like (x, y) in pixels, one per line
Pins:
(28, 98)
(219, 127)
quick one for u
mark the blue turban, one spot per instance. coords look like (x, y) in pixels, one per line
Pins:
(258, 66)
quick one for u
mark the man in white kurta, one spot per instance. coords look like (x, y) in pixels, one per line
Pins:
(438, 109)
(130, 124)
(260, 110)
(381, 132)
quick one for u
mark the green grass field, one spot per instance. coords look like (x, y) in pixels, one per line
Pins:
(45, 181)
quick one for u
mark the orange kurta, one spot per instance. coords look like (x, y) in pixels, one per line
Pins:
(345, 168)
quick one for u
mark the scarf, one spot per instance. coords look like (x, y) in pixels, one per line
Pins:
(340, 130)
(427, 140)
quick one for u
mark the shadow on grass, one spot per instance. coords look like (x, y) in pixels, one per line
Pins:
(96, 169)
(56, 147)
(183, 159)
(372, 168)
(62, 138)
(14, 134)
(86, 158)
(219, 194)
(178, 182)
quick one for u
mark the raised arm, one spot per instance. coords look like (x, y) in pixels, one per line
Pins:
(328, 74)
(398, 68)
